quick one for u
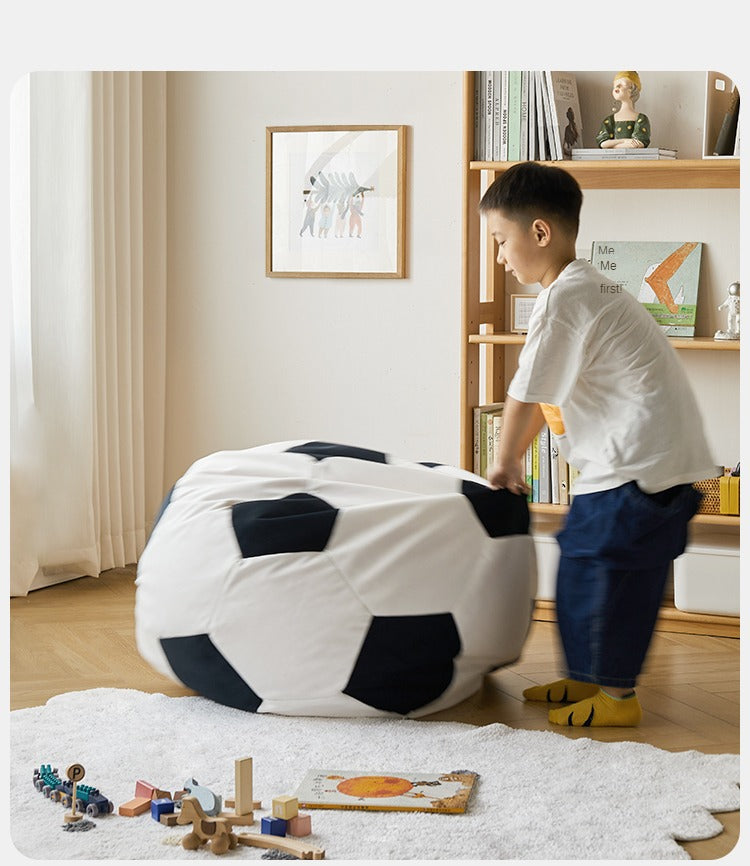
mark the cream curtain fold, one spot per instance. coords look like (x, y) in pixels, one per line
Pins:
(88, 221)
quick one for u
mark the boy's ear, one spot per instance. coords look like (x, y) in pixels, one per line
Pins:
(541, 231)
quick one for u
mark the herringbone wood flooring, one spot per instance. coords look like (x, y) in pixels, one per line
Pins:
(80, 635)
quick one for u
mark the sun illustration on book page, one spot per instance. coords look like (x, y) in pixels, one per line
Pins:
(424, 792)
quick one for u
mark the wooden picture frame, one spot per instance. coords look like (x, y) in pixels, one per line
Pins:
(520, 310)
(335, 201)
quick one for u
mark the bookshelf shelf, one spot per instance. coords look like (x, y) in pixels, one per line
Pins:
(643, 174)
(702, 519)
(507, 338)
(487, 356)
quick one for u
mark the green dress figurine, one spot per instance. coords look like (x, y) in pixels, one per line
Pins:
(625, 127)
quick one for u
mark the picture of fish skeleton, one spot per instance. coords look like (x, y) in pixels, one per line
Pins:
(334, 198)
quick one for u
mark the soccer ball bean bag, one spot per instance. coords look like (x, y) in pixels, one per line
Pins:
(311, 578)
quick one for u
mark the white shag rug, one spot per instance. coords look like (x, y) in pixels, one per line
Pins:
(540, 795)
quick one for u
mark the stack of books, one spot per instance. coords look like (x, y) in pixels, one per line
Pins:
(601, 153)
(522, 115)
(548, 474)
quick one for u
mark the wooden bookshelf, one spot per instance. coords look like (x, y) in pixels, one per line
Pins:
(487, 366)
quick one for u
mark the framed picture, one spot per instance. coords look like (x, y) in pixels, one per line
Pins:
(520, 311)
(335, 201)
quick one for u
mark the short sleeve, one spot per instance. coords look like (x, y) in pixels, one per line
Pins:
(549, 364)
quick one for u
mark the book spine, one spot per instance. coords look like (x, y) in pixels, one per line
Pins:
(540, 118)
(532, 137)
(545, 495)
(497, 427)
(489, 444)
(564, 483)
(529, 470)
(504, 99)
(478, 106)
(488, 109)
(514, 115)
(573, 474)
(524, 130)
(496, 114)
(549, 116)
(483, 130)
(477, 439)
(554, 465)
(483, 444)
(535, 469)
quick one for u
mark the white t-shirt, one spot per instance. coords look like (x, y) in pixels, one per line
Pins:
(627, 406)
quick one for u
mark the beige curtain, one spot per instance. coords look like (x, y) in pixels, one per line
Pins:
(88, 225)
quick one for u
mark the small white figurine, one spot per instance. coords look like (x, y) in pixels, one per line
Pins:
(732, 306)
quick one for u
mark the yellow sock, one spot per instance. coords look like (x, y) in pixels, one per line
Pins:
(600, 711)
(561, 691)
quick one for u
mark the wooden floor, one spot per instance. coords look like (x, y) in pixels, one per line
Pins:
(80, 635)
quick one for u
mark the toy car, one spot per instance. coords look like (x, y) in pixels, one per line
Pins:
(88, 799)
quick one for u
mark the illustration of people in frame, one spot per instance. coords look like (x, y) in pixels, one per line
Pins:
(333, 196)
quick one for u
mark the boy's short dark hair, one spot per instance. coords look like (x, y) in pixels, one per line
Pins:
(529, 190)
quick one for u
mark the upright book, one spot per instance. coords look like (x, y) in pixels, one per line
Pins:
(514, 115)
(567, 128)
(662, 275)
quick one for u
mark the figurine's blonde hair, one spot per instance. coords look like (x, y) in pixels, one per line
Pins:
(634, 79)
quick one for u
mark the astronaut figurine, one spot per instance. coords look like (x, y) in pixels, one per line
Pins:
(732, 306)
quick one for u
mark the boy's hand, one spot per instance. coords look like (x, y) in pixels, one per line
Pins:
(508, 476)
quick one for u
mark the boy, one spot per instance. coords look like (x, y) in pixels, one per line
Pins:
(598, 369)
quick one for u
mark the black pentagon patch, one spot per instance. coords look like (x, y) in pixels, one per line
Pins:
(295, 523)
(430, 465)
(197, 663)
(405, 661)
(499, 511)
(321, 450)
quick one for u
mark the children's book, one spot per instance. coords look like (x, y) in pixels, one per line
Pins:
(389, 792)
(567, 128)
(662, 275)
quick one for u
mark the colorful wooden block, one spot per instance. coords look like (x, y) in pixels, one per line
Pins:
(273, 826)
(284, 807)
(144, 789)
(300, 825)
(134, 807)
(162, 806)
(243, 786)
(169, 819)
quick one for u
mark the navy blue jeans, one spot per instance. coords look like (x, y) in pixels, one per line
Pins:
(615, 552)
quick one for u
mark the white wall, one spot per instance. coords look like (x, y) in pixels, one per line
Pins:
(253, 359)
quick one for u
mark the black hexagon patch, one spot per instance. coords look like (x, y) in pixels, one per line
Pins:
(499, 511)
(295, 523)
(405, 661)
(197, 662)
